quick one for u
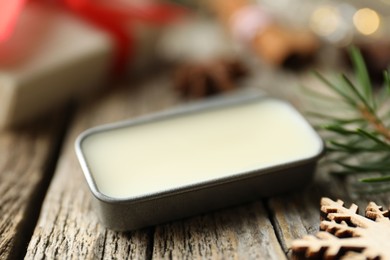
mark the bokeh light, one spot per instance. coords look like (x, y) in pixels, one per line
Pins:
(366, 21)
(325, 20)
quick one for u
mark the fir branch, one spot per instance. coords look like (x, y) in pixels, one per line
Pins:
(362, 74)
(374, 138)
(375, 121)
(335, 89)
(359, 139)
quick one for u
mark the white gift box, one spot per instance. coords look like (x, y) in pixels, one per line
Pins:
(51, 57)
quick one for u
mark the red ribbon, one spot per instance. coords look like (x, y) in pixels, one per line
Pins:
(9, 13)
(114, 17)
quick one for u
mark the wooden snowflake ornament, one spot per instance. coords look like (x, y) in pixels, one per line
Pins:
(347, 234)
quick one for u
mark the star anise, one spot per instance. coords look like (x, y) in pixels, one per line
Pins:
(199, 79)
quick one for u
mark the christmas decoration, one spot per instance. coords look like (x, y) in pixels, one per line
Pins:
(274, 43)
(200, 79)
(358, 140)
(54, 51)
(345, 231)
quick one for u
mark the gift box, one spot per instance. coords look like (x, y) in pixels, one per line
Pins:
(66, 49)
(51, 57)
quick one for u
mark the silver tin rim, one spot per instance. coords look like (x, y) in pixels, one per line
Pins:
(210, 104)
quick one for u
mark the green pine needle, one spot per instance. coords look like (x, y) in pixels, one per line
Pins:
(377, 179)
(358, 141)
(362, 74)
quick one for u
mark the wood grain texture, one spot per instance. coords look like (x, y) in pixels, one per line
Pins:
(25, 156)
(296, 215)
(68, 227)
(243, 232)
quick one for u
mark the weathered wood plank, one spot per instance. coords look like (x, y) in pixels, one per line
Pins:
(25, 169)
(68, 227)
(298, 214)
(243, 232)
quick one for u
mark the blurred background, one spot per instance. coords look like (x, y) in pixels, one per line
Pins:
(54, 51)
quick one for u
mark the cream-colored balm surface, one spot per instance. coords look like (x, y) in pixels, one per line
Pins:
(180, 151)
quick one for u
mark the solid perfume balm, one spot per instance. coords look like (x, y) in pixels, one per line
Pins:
(198, 149)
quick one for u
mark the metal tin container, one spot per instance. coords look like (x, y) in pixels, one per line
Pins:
(156, 198)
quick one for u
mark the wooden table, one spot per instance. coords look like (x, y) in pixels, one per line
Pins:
(45, 205)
